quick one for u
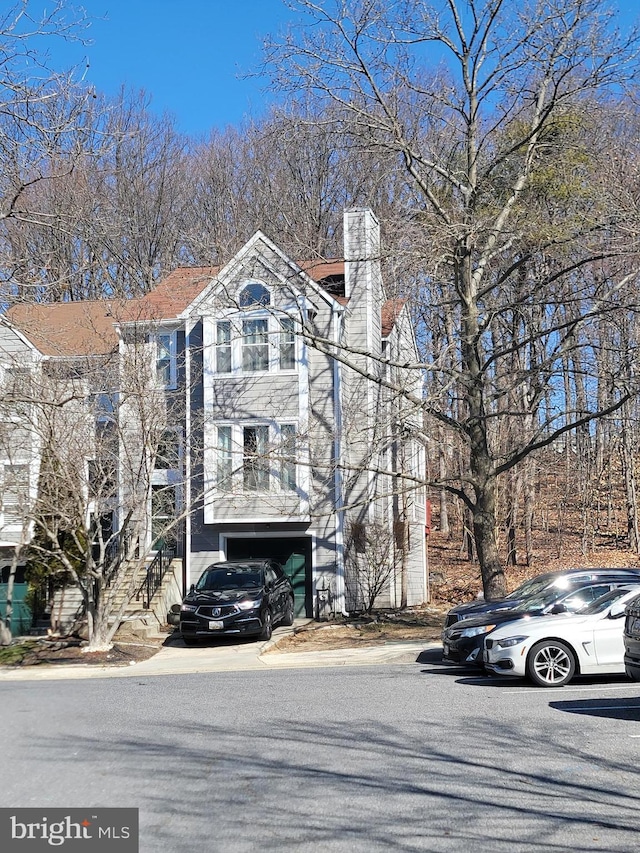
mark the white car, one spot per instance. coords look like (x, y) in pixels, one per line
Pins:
(550, 650)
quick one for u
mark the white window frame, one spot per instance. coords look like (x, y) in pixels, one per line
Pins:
(171, 335)
(277, 339)
(224, 459)
(288, 433)
(275, 462)
(20, 499)
(224, 346)
(263, 463)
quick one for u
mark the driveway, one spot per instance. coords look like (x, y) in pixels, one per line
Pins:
(176, 658)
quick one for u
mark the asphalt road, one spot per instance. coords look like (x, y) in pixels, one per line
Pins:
(408, 757)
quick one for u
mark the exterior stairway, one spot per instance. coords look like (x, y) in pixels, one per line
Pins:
(146, 612)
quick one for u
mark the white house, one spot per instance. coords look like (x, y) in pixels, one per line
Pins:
(286, 429)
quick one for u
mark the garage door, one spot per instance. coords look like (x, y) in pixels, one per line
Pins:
(293, 554)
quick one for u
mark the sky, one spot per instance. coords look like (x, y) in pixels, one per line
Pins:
(190, 55)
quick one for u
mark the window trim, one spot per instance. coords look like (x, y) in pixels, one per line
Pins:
(238, 348)
(172, 336)
(258, 471)
(21, 494)
(274, 461)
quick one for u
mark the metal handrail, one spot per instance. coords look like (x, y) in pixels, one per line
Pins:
(156, 571)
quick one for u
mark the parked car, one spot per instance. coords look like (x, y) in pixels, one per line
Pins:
(462, 641)
(246, 597)
(551, 651)
(631, 638)
(535, 586)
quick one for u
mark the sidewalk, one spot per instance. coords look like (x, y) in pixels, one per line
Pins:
(178, 659)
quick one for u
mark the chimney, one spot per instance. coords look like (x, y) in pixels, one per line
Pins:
(361, 248)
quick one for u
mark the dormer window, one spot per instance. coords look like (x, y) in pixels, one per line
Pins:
(254, 295)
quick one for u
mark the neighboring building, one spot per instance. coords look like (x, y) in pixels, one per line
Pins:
(265, 443)
(54, 361)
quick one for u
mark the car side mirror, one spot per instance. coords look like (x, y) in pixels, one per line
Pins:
(617, 610)
(558, 608)
(192, 588)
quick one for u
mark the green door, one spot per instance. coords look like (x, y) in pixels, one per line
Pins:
(21, 612)
(294, 568)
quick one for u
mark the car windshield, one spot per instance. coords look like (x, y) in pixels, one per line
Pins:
(530, 587)
(604, 601)
(544, 599)
(221, 578)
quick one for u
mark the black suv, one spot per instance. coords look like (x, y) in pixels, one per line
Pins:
(631, 638)
(537, 586)
(244, 597)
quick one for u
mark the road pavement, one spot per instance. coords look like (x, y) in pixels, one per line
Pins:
(409, 758)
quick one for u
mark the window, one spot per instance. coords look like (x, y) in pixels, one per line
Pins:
(224, 473)
(223, 347)
(267, 463)
(250, 344)
(18, 389)
(253, 295)
(102, 478)
(255, 462)
(105, 406)
(288, 457)
(166, 359)
(163, 512)
(168, 451)
(255, 345)
(287, 344)
(15, 491)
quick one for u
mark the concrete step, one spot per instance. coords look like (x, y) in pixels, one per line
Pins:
(144, 625)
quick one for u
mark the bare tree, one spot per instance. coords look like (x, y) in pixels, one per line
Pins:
(370, 559)
(43, 120)
(499, 147)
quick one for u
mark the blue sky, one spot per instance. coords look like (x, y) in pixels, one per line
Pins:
(190, 55)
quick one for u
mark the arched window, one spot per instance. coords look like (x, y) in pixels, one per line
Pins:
(254, 294)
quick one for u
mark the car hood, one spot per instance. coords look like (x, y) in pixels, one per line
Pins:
(224, 596)
(542, 624)
(495, 618)
(477, 608)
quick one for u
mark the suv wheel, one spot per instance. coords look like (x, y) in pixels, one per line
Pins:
(267, 625)
(287, 619)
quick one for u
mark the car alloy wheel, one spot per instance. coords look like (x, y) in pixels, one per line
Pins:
(267, 626)
(551, 664)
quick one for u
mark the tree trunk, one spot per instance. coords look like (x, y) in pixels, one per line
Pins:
(442, 473)
(484, 529)
(5, 623)
(628, 467)
(529, 507)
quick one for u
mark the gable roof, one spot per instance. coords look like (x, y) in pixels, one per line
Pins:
(69, 329)
(72, 329)
(390, 312)
(172, 295)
